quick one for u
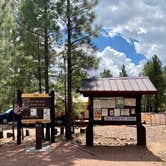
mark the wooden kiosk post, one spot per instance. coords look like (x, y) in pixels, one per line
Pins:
(89, 129)
(39, 131)
(52, 115)
(19, 125)
(141, 130)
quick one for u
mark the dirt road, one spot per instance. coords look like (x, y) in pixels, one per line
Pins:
(114, 146)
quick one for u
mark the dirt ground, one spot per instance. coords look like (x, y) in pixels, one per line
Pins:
(114, 146)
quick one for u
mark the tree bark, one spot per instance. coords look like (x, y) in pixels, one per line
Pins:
(46, 63)
(69, 76)
(46, 49)
(39, 66)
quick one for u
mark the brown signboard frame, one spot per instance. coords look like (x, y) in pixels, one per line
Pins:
(19, 111)
(38, 102)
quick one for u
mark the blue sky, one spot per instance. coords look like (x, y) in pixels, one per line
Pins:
(131, 34)
(118, 43)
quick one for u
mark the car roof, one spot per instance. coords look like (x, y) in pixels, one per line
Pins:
(9, 110)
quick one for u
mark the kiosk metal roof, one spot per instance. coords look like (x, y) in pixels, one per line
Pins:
(117, 86)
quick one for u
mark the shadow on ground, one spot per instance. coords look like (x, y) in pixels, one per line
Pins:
(123, 153)
(65, 153)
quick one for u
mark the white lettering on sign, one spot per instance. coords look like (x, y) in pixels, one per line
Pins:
(119, 118)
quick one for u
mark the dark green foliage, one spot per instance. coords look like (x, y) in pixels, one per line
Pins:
(153, 69)
(29, 33)
(7, 26)
(37, 23)
(106, 73)
(123, 72)
(21, 47)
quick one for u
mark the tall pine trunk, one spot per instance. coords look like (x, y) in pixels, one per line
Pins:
(69, 76)
(39, 65)
(46, 49)
(46, 63)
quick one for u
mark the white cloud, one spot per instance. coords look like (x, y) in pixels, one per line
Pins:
(113, 60)
(143, 20)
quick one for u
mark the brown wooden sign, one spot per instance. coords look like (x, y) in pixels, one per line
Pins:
(36, 108)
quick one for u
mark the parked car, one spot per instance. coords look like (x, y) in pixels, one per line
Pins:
(7, 116)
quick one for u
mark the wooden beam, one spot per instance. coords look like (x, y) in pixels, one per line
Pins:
(141, 130)
(89, 129)
(52, 112)
(19, 125)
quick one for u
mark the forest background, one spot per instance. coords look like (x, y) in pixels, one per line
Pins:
(47, 45)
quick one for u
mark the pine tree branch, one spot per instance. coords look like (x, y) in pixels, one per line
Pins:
(28, 30)
(78, 40)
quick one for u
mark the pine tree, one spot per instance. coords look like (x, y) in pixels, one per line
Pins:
(106, 73)
(38, 32)
(7, 26)
(123, 72)
(153, 69)
(76, 17)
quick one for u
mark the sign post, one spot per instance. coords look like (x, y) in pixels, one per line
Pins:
(89, 129)
(18, 111)
(38, 135)
(141, 130)
(52, 109)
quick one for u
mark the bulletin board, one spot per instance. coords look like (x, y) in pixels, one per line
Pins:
(36, 108)
(114, 109)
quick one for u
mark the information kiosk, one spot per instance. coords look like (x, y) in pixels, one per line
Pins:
(116, 101)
